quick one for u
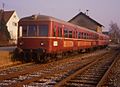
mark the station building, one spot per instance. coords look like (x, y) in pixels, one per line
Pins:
(84, 20)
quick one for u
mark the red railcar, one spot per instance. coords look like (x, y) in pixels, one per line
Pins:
(103, 40)
(41, 36)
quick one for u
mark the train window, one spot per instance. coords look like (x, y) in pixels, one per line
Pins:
(65, 33)
(76, 34)
(32, 30)
(86, 35)
(23, 31)
(94, 36)
(73, 34)
(59, 32)
(82, 35)
(70, 34)
(90, 36)
(43, 30)
(79, 35)
(54, 31)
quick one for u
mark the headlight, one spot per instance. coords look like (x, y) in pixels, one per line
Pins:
(41, 43)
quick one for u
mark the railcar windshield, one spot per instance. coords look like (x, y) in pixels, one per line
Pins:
(33, 30)
(43, 30)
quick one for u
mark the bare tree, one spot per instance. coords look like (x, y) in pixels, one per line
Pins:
(3, 27)
(114, 32)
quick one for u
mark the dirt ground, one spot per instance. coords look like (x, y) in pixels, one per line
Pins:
(5, 59)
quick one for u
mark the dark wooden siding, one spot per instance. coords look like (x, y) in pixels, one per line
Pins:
(84, 22)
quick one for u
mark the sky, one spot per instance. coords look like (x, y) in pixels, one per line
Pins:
(103, 11)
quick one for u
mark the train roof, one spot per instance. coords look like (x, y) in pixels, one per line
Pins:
(39, 18)
(50, 18)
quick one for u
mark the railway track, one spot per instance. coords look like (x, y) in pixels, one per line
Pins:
(17, 68)
(47, 74)
(110, 78)
(13, 69)
(91, 75)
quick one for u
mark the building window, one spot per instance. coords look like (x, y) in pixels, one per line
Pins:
(14, 16)
(14, 24)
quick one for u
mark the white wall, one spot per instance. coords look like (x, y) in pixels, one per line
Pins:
(12, 26)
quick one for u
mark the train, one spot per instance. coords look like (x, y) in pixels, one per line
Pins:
(41, 37)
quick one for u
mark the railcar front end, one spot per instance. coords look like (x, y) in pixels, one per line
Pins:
(33, 39)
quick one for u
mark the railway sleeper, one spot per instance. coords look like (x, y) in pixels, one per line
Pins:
(78, 85)
(85, 78)
(83, 81)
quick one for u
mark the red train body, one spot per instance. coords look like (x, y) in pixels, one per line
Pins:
(43, 35)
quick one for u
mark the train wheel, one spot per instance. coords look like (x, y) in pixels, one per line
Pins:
(79, 51)
(55, 56)
(46, 59)
(39, 59)
(21, 56)
(27, 57)
(14, 56)
(59, 55)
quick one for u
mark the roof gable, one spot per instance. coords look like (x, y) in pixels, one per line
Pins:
(82, 14)
(7, 15)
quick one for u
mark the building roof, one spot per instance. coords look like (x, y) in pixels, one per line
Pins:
(81, 13)
(7, 15)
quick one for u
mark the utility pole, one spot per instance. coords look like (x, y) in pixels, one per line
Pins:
(3, 5)
(79, 10)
